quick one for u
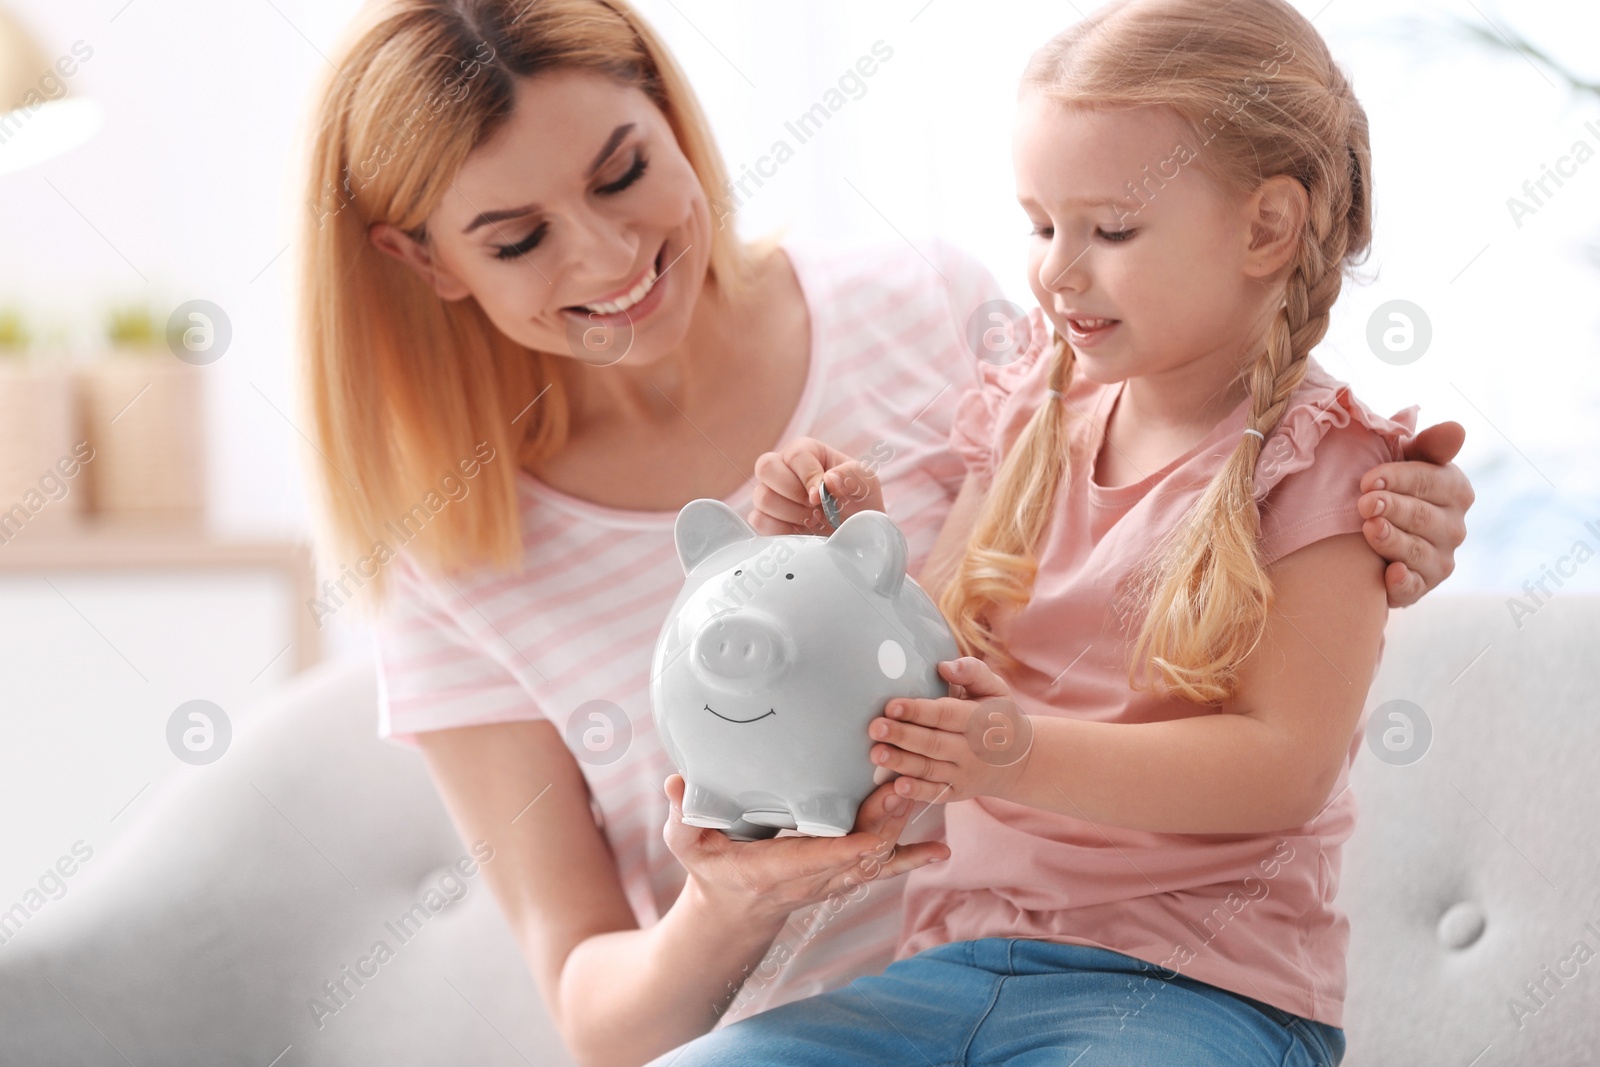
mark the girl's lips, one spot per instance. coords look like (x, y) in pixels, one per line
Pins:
(1085, 332)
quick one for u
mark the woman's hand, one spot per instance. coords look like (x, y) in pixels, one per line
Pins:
(787, 496)
(1416, 512)
(763, 881)
(972, 743)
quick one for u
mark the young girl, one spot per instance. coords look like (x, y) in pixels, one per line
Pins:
(1155, 570)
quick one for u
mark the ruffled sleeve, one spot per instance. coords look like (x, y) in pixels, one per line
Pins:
(1308, 477)
(975, 431)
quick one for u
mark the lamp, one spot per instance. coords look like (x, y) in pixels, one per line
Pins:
(38, 119)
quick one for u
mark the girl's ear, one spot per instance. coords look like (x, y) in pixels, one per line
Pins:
(1276, 213)
(393, 241)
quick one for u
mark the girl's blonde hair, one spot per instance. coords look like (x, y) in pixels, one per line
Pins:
(1261, 96)
(406, 391)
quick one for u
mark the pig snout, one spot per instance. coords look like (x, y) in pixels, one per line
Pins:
(740, 646)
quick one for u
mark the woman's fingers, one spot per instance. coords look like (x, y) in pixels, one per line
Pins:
(1405, 586)
(1437, 444)
(890, 862)
(1423, 561)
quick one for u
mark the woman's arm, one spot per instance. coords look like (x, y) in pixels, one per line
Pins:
(1265, 761)
(618, 995)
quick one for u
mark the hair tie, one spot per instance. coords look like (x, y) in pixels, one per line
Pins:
(1258, 433)
(1056, 393)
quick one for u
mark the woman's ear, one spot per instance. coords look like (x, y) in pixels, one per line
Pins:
(1276, 213)
(393, 241)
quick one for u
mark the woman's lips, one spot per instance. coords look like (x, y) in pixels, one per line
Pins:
(632, 313)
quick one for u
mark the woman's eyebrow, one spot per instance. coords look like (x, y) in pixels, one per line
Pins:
(489, 217)
(610, 146)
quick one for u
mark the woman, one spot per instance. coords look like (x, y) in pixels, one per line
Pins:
(514, 276)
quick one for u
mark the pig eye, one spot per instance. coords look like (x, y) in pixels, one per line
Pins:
(738, 572)
(788, 576)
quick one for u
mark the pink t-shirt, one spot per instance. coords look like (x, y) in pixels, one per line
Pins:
(888, 361)
(1249, 912)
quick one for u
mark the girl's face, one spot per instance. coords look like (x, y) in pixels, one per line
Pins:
(1139, 258)
(580, 226)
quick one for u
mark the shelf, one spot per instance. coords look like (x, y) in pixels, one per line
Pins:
(135, 545)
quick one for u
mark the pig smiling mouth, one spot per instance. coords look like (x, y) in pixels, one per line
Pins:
(724, 718)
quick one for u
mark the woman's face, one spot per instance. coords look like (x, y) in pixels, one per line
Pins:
(580, 226)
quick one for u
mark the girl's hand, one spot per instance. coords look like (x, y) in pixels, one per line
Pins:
(788, 498)
(973, 743)
(1416, 512)
(763, 881)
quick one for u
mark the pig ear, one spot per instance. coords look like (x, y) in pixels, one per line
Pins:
(704, 526)
(875, 547)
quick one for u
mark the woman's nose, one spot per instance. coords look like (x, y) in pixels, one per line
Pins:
(602, 251)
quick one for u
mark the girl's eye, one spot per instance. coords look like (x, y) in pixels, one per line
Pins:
(1043, 231)
(524, 246)
(1115, 236)
(635, 172)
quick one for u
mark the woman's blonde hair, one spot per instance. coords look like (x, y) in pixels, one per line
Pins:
(1258, 91)
(405, 391)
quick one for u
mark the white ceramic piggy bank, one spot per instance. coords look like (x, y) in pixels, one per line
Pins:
(777, 654)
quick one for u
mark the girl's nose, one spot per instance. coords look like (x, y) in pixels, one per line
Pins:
(1065, 268)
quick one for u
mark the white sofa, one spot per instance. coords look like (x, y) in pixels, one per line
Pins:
(204, 936)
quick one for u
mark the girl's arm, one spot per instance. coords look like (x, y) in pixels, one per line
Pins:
(1265, 761)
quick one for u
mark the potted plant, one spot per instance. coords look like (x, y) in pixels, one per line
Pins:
(36, 428)
(142, 409)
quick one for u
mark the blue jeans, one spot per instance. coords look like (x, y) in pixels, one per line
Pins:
(1024, 1003)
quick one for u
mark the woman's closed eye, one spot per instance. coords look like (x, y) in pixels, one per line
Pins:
(530, 242)
(524, 246)
(635, 172)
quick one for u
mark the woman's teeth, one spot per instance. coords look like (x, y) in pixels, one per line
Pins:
(1086, 325)
(633, 296)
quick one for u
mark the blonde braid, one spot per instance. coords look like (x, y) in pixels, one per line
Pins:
(1000, 561)
(1207, 595)
(1204, 592)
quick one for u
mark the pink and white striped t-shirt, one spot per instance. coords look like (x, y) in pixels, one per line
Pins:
(570, 639)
